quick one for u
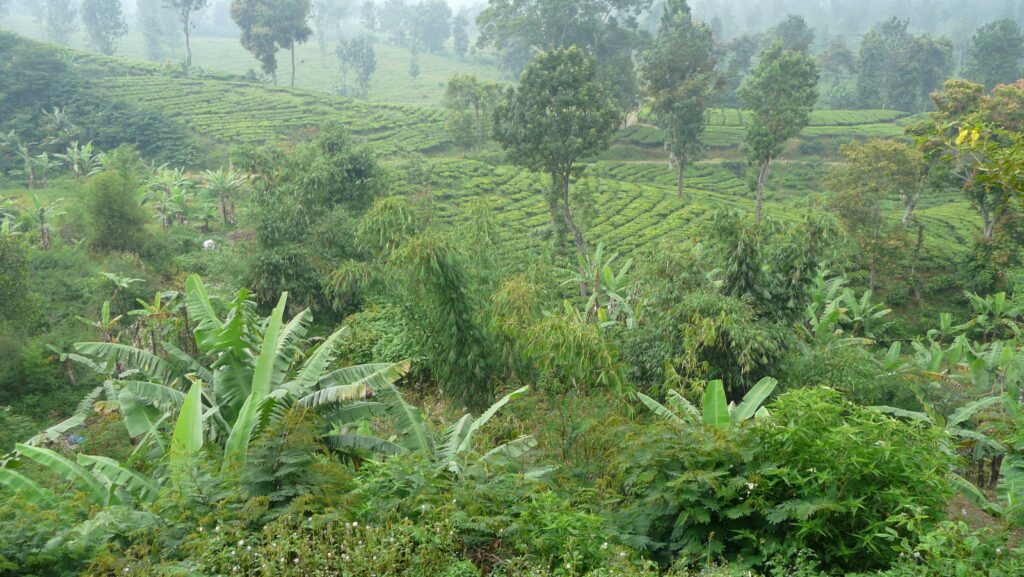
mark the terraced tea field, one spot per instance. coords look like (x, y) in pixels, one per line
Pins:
(726, 127)
(239, 112)
(637, 208)
(635, 204)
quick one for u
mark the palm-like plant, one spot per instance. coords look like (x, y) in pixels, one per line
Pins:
(250, 372)
(81, 160)
(44, 216)
(23, 151)
(610, 298)
(715, 410)
(167, 191)
(224, 185)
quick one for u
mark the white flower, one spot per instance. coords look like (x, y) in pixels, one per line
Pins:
(242, 542)
(604, 545)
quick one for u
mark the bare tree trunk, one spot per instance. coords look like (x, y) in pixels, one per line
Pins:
(293, 64)
(986, 221)
(224, 207)
(762, 177)
(681, 166)
(188, 46)
(577, 236)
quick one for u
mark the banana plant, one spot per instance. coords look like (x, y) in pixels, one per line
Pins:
(104, 481)
(452, 450)
(610, 299)
(224, 185)
(715, 412)
(252, 371)
(81, 160)
(862, 314)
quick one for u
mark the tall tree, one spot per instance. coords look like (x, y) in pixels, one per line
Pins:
(996, 53)
(795, 34)
(270, 25)
(518, 27)
(781, 93)
(679, 74)
(460, 38)
(837, 66)
(899, 70)
(59, 20)
(369, 16)
(105, 24)
(327, 17)
(158, 24)
(256, 19)
(873, 176)
(431, 24)
(559, 115)
(184, 9)
(470, 103)
(293, 26)
(358, 54)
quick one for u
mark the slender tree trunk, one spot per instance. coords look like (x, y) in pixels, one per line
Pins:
(762, 177)
(293, 64)
(224, 207)
(909, 212)
(681, 165)
(577, 236)
(188, 46)
(986, 221)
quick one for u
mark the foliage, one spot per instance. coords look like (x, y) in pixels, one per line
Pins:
(558, 116)
(996, 52)
(116, 220)
(781, 92)
(105, 24)
(772, 487)
(679, 72)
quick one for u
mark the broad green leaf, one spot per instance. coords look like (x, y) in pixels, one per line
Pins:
(138, 485)
(138, 417)
(67, 469)
(187, 438)
(682, 406)
(487, 415)
(263, 375)
(970, 409)
(365, 444)
(716, 409)
(913, 415)
(17, 482)
(136, 358)
(237, 446)
(509, 452)
(453, 437)
(660, 410)
(313, 369)
(354, 383)
(753, 399)
(197, 301)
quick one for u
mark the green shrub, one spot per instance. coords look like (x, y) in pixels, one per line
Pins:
(851, 369)
(953, 550)
(27, 530)
(116, 220)
(821, 474)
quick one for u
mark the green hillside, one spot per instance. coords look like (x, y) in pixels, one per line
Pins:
(636, 198)
(391, 82)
